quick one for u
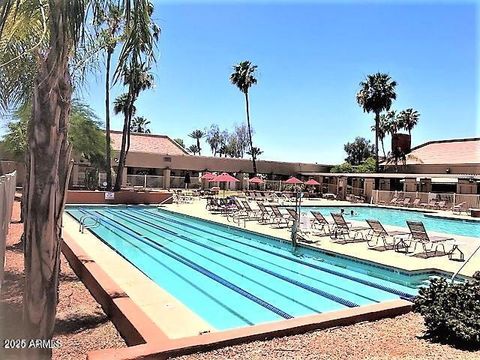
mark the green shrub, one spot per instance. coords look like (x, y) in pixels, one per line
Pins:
(451, 311)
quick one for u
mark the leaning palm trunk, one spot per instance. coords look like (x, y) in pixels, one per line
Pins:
(250, 134)
(48, 171)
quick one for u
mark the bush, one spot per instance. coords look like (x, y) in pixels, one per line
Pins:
(451, 311)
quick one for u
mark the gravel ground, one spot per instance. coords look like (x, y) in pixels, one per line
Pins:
(397, 338)
(81, 324)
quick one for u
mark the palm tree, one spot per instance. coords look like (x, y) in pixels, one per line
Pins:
(180, 142)
(376, 94)
(255, 152)
(391, 122)
(408, 119)
(138, 79)
(193, 149)
(62, 28)
(139, 125)
(197, 135)
(121, 105)
(113, 18)
(243, 77)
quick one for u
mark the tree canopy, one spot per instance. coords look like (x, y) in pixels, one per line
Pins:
(358, 150)
(85, 134)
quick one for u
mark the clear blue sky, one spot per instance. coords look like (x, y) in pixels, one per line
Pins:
(311, 58)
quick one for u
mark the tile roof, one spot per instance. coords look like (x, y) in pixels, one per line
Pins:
(148, 143)
(455, 151)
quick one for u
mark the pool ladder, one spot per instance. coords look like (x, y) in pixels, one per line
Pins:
(84, 225)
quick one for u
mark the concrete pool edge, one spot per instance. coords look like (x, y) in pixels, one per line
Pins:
(132, 323)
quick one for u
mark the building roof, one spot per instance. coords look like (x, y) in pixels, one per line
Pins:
(148, 143)
(455, 151)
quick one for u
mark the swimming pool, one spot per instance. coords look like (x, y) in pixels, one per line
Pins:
(398, 217)
(233, 278)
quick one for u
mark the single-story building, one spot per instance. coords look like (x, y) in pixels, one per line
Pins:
(166, 163)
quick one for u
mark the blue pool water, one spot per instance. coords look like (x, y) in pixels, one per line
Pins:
(233, 278)
(398, 217)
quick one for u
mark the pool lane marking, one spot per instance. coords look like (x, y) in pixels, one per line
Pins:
(272, 263)
(322, 293)
(198, 268)
(250, 255)
(241, 274)
(350, 277)
(215, 300)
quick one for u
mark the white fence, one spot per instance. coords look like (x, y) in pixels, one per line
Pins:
(470, 200)
(7, 196)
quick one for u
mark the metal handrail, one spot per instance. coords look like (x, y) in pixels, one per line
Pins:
(463, 265)
(84, 225)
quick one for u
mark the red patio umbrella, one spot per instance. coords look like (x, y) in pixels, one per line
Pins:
(224, 177)
(312, 182)
(293, 180)
(207, 176)
(255, 180)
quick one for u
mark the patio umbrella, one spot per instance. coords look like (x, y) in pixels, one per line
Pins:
(224, 177)
(255, 180)
(207, 176)
(312, 182)
(293, 180)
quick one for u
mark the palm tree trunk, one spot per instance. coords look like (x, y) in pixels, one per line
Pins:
(125, 143)
(121, 158)
(250, 133)
(48, 171)
(383, 148)
(107, 122)
(198, 145)
(377, 126)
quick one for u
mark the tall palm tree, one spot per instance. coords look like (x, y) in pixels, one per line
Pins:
(113, 18)
(139, 125)
(137, 78)
(376, 94)
(197, 135)
(243, 77)
(408, 119)
(48, 163)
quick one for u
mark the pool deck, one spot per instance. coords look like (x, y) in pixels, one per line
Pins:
(358, 250)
